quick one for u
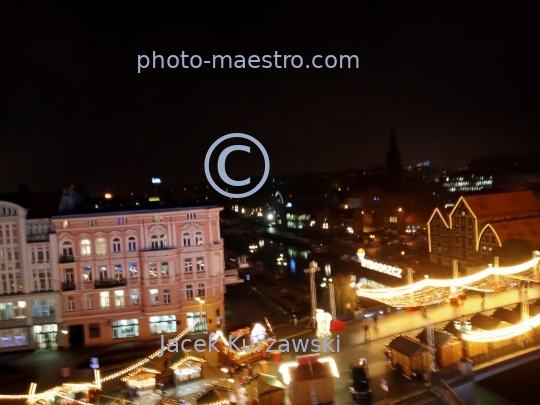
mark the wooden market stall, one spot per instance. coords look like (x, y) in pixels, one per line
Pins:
(487, 323)
(265, 389)
(472, 349)
(448, 348)
(142, 378)
(214, 394)
(408, 356)
(186, 367)
(309, 378)
(249, 340)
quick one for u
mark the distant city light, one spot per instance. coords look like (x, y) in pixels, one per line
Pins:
(156, 180)
(108, 196)
(289, 205)
(270, 216)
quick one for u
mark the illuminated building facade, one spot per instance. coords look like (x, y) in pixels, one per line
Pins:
(29, 289)
(137, 274)
(478, 226)
(463, 183)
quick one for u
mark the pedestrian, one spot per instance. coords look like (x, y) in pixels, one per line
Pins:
(375, 317)
(366, 330)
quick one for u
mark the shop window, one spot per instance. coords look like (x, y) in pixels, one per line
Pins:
(193, 317)
(13, 337)
(162, 324)
(125, 328)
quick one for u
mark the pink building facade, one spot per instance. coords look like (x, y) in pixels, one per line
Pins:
(136, 275)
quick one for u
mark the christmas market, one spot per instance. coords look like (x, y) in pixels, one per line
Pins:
(186, 367)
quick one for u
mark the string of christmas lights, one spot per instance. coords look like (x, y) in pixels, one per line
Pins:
(434, 291)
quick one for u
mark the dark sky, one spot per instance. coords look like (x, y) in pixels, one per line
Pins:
(456, 80)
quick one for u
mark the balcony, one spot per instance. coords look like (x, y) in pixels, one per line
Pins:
(67, 258)
(68, 286)
(110, 282)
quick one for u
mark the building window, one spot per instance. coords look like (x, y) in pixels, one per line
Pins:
(13, 337)
(199, 238)
(154, 242)
(116, 247)
(104, 299)
(119, 298)
(188, 266)
(71, 304)
(187, 239)
(92, 222)
(200, 264)
(189, 291)
(166, 296)
(65, 224)
(43, 308)
(94, 330)
(152, 270)
(154, 298)
(67, 249)
(162, 324)
(122, 221)
(86, 249)
(135, 294)
(12, 310)
(201, 290)
(125, 328)
(89, 298)
(196, 321)
(157, 218)
(132, 244)
(165, 269)
(118, 272)
(133, 271)
(87, 273)
(101, 246)
(163, 241)
(103, 273)
(191, 215)
(69, 276)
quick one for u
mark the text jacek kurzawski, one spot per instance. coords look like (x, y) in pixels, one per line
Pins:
(254, 345)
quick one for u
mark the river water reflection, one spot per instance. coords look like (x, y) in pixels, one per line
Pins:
(289, 261)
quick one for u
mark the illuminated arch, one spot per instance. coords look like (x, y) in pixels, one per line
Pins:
(278, 194)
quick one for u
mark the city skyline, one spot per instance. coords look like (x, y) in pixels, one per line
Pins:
(455, 82)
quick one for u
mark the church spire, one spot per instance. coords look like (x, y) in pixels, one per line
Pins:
(393, 160)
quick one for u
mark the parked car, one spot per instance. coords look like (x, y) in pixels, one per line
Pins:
(360, 387)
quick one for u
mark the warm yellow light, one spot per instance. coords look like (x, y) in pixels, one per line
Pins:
(108, 196)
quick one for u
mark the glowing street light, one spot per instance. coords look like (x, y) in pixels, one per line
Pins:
(201, 302)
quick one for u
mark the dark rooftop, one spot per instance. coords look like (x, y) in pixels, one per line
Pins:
(406, 345)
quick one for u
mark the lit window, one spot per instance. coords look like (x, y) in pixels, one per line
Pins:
(89, 298)
(135, 297)
(133, 272)
(119, 298)
(104, 299)
(101, 246)
(154, 298)
(125, 328)
(163, 241)
(86, 249)
(201, 290)
(200, 264)
(162, 324)
(152, 270)
(165, 269)
(188, 266)
(199, 238)
(189, 291)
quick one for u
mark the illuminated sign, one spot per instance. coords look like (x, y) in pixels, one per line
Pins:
(153, 199)
(156, 180)
(380, 267)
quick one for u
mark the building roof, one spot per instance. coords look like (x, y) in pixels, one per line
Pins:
(484, 322)
(406, 345)
(211, 394)
(525, 229)
(506, 315)
(500, 206)
(265, 383)
(450, 327)
(312, 371)
(441, 337)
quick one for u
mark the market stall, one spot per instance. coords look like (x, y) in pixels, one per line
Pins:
(265, 389)
(408, 356)
(214, 394)
(186, 368)
(448, 348)
(142, 378)
(250, 340)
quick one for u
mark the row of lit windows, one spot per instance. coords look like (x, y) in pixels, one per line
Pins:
(116, 246)
(17, 309)
(106, 300)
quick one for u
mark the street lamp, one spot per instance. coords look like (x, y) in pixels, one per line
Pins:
(201, 302)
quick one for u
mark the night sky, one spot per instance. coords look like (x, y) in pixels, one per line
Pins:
(457, 80)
